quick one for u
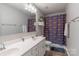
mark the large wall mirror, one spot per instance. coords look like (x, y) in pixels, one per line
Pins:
(16, 18)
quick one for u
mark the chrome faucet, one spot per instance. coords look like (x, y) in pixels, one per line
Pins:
(33, 38)
(37, 35)
(23, 39)
(2, 46)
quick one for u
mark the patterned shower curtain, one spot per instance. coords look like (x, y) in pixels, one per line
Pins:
(31, 26)
(54, 28)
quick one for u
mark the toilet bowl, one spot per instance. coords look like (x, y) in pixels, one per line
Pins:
(48, 45)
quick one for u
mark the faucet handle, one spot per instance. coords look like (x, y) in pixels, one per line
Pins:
(36, 35)
(32, 36)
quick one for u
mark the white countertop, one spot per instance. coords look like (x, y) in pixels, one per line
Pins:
(20, 47)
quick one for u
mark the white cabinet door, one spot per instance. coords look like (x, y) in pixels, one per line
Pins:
(38, 50)
(42, 48)
(34, 51)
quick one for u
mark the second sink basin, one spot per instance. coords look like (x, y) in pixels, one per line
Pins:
(9, 52)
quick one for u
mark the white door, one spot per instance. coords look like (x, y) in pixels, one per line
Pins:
(74, 38)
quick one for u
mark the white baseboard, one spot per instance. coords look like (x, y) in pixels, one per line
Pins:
(67, 51)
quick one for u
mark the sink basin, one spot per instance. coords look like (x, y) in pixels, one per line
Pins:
(9, 52)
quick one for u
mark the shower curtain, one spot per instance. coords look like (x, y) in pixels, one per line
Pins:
(31, 26)
(54, 28)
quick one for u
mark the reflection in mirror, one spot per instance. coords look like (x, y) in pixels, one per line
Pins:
(16, 18)
(31, 26)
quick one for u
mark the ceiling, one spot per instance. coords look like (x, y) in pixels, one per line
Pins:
(45, 8)
(48, 8)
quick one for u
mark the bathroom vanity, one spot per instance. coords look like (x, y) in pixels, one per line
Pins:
(37, 50)
(31, 46)
(18, 35)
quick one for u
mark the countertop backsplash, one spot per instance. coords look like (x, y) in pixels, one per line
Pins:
(16, 36)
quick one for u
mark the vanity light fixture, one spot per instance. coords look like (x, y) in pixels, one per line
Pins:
(30, 8)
